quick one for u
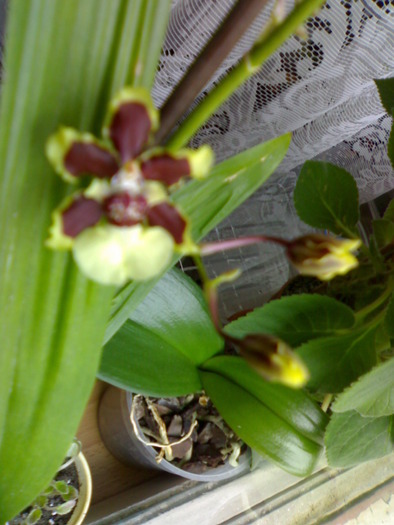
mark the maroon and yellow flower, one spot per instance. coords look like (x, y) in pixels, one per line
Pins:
(123, 225)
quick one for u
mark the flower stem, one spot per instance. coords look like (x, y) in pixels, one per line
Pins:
(364, 312)
(203, 68)
(250, 64)
(211, 248)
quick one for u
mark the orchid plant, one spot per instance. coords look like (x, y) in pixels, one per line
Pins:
(130, 217)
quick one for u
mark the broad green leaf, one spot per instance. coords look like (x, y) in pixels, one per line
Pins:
(177, 312)
(383, 231)
(372, 395)
(295, 407)
(139, 360)
(386, 92)
(335, 362)
(326, 197)
(156, 351)
(295, 319)
(352, 438)
(389, 213)
(389, 318)
(260, 427)
(59, 62)
(207, 203)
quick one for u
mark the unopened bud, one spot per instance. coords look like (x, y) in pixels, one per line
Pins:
(273, 359)
(323, 256)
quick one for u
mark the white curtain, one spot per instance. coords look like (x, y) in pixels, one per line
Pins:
(320, 88)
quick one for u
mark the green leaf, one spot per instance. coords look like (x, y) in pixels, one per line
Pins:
(137, 359)
(386, 92)
(335, 362)
(177, 312)
(156, 351)
(260, 427)
(389, 213)
(207, 203)
(326, 197)
(59, 61)
(352, 438)
(389, 318)
(372, 395)
(295, 407)
(295, 319)
(383, 231)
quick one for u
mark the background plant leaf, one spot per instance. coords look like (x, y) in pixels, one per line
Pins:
(207, 203)
(386, 92)
(326, 197)
(372, 395)
(293, 406)
(352, 438)
(141, 361)
(295, 319)
(260, 427)
(335, 362)
(156, 351)
(389, 318)
(59, 63)
(383, 232)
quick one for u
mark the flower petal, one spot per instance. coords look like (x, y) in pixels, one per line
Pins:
(165, 168)
(168, 217)
(73, 154)
(130, 120)
(170, 167)
(110, 254)
(75, 214)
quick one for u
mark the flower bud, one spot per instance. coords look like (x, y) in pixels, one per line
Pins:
(323, 256)
(273, 359)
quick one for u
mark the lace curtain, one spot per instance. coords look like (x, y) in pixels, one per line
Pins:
(318, 86)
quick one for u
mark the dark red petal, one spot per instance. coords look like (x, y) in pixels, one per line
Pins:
(129, 129)
(169, 218)
(124, 209)
(81, 214)
(165, 168)
(83, 158)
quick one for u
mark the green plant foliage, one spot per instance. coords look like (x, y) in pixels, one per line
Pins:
(295, 319)
(141, 361)
(335, 362)
(59, 65)
(176, 311)
(386, 92)
(295, 407)
(352, 438)
(207, 203)
(389, 318)
(257, 425)
(156, 351)
(383, 232)
(326, 197)
(372, 395)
